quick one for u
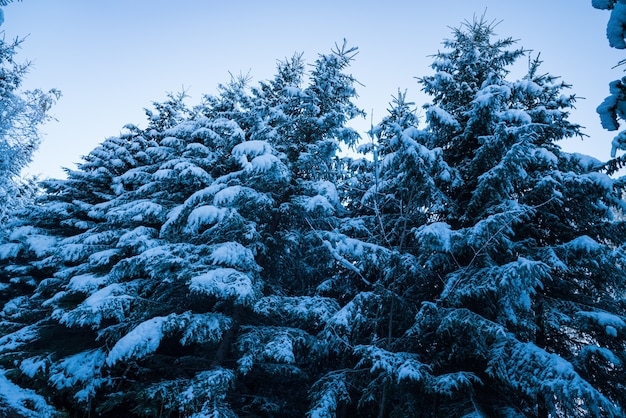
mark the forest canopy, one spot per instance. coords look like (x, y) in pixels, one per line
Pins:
(227, 260)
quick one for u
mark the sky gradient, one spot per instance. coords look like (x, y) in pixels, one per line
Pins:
(113, 59)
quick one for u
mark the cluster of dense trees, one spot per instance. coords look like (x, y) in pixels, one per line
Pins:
(227, 261)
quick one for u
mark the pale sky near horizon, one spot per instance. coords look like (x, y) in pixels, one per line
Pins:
(113, 59)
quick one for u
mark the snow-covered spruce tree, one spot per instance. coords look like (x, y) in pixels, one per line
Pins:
(305, 124)
(410, 179)
(401, 189)
(530, 319)
(115, 288)
(155, 290)
(516, 242)
(66, 209)
(29, 256)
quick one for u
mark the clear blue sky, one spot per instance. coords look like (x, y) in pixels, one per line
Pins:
(112, 58)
